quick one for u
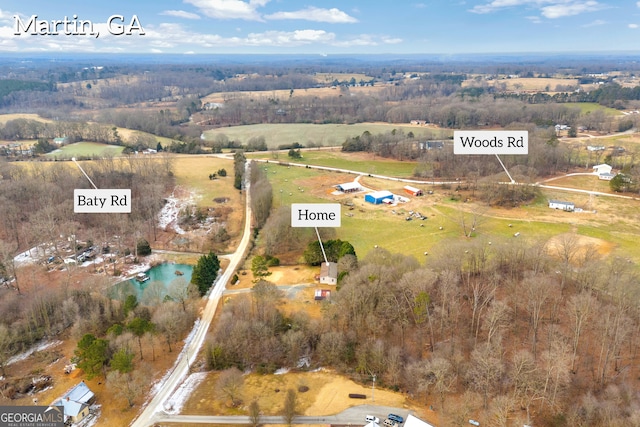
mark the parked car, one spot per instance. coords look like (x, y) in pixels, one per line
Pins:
(372, 419)
(396, 418)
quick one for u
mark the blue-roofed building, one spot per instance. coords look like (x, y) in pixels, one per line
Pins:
(76, 403)
(378, 197)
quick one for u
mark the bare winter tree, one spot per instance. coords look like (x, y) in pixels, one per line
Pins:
(580, 307)
(486, 370)
(230, 384)
(290, 408)
(538, 290)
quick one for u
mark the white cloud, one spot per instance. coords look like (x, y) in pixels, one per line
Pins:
(288, 38)
(633, 26)
(551, 9)
(501, 4)
(333, 15)
(180, 14)
(229, 9)
(534, 19)
(638, 4)
(391, 40)
(595, 23)
(569, 9)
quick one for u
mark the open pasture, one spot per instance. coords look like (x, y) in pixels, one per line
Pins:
(322, 135)
(537, 84)
(341, 77)
(589, 107)
(282, 94)
(612, 220)
(4, 118)
(85, 149)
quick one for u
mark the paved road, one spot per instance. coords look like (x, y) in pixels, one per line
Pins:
(352, 416)
(153, 408)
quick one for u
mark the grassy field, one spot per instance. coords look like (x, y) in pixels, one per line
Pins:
(341, 77)
(320, 92)
(588, 107)
(609, 220)
(85, 149)
(4, 118)
(325, 135)
(193, 172)
(352, 161)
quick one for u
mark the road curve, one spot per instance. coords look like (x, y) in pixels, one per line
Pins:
(155, 407)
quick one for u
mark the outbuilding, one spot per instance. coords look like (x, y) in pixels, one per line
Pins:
(349, 187)
(413, 190)
(378, 197)
(564, 206)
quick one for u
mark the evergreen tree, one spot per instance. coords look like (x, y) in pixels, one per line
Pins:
(144, 248)
(205, 272)
(238, 167)
(91, 355)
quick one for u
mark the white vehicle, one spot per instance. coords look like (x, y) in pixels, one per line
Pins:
(372, 419)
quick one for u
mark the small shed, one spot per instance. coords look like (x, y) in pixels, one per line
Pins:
(413, 190)
(602, 168)
(349, 187)
(76, 403)
(322, 294)
(60, 141)
(329, 273)
(564, 206)
(378, 197)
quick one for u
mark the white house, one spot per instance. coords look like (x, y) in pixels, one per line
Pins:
(564, 206)
(329, 273)
(602, 168)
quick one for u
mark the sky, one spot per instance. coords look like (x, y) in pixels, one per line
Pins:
(322, 27)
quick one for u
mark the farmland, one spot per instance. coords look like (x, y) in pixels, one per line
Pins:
(85, 149)
(327, 135)
(393, 232)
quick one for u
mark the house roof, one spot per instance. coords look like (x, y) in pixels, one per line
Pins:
(380, 194)
(415, 422)
(75, 400)
(348, 186)
(329, 270)
(410, 188)
(561, 202)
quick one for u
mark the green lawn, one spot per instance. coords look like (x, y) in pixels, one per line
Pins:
(337, 159)
(588, 107)
(324, 135)
(85, 149)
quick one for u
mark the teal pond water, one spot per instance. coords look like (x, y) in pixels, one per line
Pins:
(163, 277)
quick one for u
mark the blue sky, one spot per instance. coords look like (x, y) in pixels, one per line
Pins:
(325, 27)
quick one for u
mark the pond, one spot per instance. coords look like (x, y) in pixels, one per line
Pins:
(162, 278)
